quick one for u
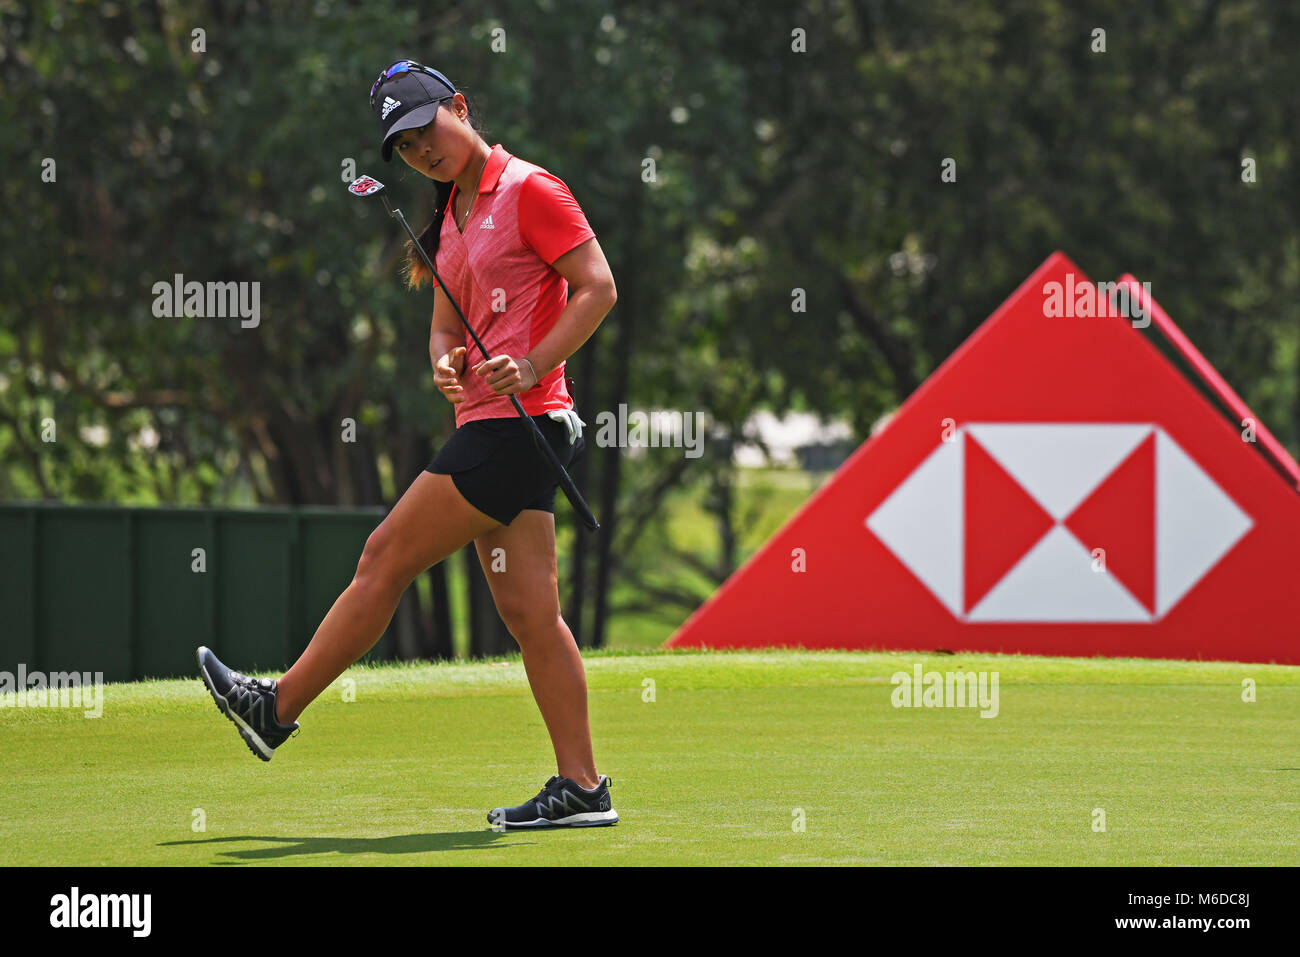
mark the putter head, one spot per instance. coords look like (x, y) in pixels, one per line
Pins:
(367, 187)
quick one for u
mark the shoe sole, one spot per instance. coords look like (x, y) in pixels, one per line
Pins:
(588, 819)
(251, 737)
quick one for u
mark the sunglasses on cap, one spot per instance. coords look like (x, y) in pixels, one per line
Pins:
(401, 66)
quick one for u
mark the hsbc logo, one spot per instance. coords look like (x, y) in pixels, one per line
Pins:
(1003, 524)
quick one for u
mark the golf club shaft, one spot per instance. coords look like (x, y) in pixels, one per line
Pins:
(562, 477)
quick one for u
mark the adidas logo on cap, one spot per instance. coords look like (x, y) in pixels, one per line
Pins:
(390, 104)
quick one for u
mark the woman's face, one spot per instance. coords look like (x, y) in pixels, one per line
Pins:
(441, 148)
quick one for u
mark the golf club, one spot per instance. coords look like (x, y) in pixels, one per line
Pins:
(367, 187)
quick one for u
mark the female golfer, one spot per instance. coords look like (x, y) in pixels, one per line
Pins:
(518, 255)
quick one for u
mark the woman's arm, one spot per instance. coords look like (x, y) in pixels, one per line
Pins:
(591, 295)
(446, 348)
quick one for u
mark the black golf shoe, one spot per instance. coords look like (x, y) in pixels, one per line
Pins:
(249, 702)
(561, 803)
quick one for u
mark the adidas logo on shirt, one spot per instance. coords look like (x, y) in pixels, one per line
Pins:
(487, 223)
(390, 104)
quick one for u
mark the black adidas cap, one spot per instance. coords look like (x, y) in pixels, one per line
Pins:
(407, 99)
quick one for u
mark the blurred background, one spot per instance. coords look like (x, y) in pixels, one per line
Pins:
(766, 180)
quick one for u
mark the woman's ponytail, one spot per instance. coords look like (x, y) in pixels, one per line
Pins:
(417, 273)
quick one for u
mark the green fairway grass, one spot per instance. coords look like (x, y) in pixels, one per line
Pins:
(716, 769)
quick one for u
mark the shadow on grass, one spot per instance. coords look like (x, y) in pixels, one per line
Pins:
(303, 846)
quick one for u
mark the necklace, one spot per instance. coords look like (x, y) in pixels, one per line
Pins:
(473, 195)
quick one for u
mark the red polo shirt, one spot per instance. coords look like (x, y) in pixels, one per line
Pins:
(499, 271)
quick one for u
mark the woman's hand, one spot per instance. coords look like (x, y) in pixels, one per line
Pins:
(506, 376)
(446, 375)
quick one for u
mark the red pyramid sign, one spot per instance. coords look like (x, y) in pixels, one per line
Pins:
(1135, 521)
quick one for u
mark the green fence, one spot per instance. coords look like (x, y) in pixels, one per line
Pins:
(128, 592)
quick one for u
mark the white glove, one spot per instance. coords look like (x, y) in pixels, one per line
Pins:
(571, 422)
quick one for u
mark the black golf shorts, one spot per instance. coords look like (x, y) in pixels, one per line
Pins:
(499, 469)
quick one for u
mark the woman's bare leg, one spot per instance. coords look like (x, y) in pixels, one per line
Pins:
(529, 603)
(431, 521)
